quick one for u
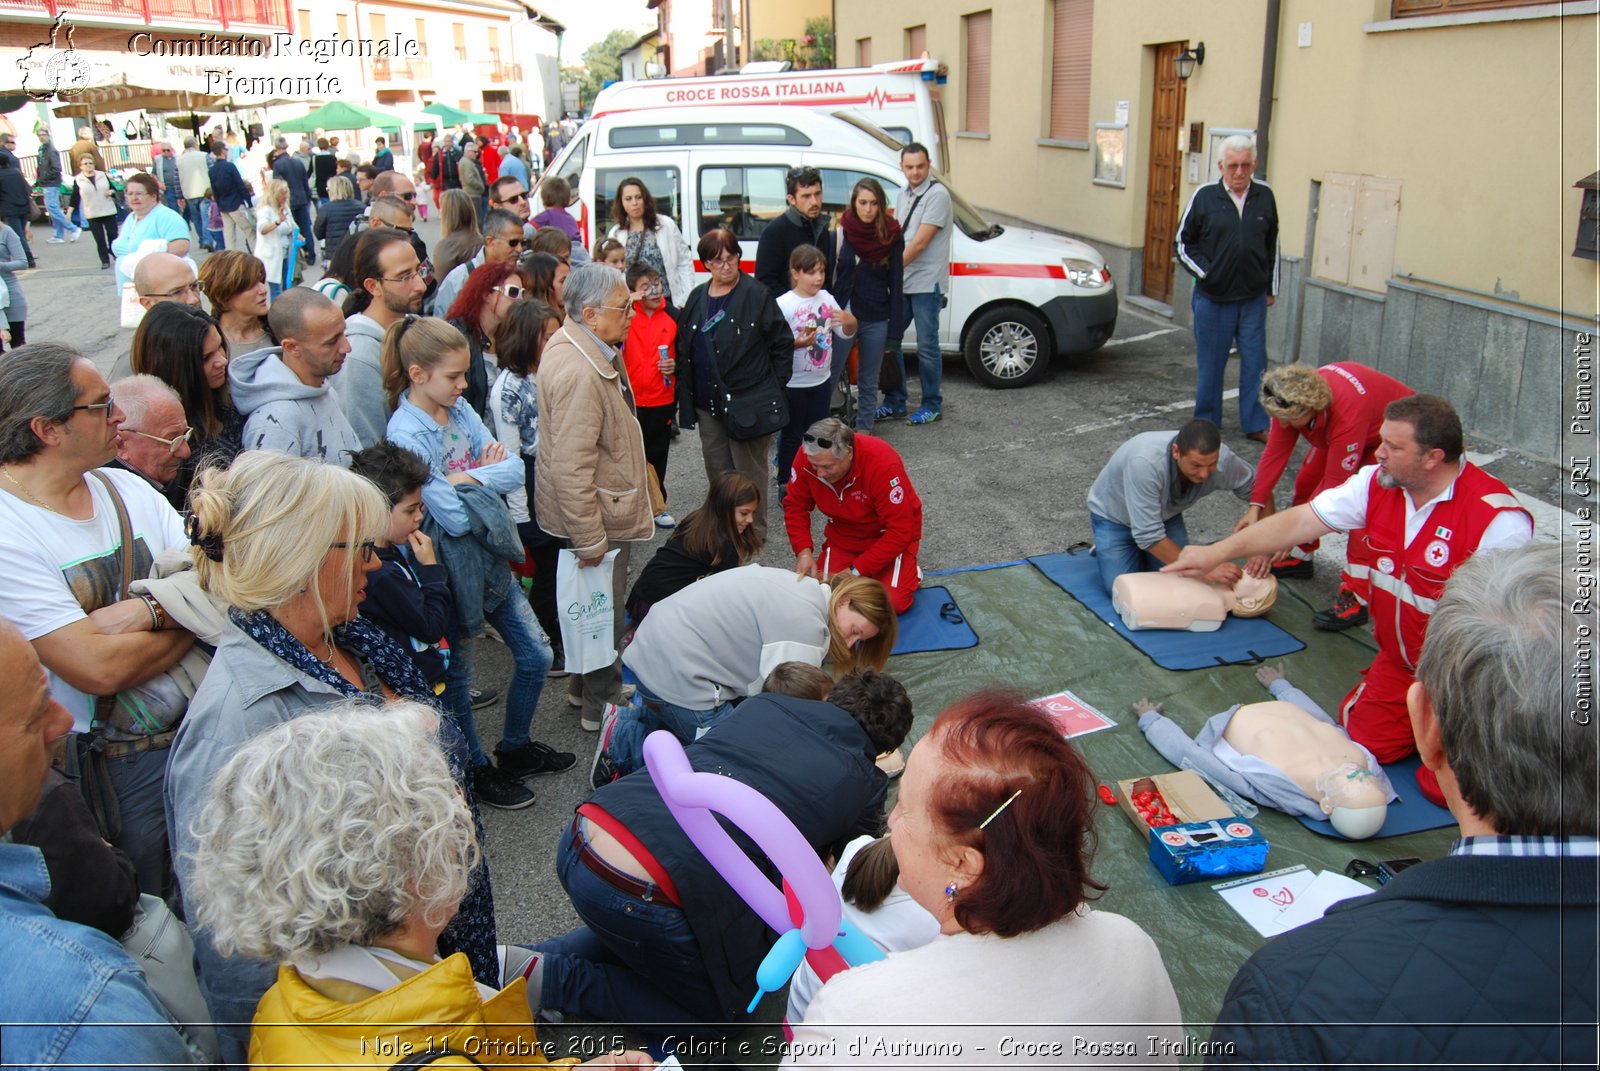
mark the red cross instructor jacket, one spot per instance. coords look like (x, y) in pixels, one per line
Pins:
(1408, 581)
(873, 513)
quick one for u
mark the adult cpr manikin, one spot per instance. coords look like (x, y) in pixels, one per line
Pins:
(1286, 754)
(1166, 601)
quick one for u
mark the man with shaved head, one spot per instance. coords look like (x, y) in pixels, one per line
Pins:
(283, 390)
(158, 277)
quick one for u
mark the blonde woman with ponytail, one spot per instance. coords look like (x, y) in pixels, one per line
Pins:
(287, 543)
(425, 363)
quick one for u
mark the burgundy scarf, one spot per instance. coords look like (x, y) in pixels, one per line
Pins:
(864, 237)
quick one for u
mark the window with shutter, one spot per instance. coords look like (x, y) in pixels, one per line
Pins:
(864, 52)
(978, 28)
(1069, 70)
(916, 41)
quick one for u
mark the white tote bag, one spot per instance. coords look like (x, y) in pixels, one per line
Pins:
(583, 599)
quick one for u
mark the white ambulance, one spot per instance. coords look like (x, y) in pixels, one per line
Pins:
(1016, 297)
(899, 98)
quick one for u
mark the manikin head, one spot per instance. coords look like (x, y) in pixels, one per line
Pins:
(1354, 800)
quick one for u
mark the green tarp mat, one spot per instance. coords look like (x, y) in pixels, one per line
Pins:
(1038, 639)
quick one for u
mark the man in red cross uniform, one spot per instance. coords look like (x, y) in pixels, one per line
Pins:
(859, 483)
(1425, 509)
(1337, 409)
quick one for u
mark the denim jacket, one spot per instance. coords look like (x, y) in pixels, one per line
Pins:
(84, 999)
(418, 432)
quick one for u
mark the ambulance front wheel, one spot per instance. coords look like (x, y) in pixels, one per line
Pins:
(1008, 347)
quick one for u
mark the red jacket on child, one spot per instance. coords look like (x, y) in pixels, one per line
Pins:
(640, 350)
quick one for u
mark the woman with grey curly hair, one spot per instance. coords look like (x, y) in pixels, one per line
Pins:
(287, 544)
(339, 845)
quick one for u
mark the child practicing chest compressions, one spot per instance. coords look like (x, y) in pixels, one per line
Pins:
(425, 373)
(648, 350)
(815, 317)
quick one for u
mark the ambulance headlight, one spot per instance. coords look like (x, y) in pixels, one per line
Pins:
(1086, 273)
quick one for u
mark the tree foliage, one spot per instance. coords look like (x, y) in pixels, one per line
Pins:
(601, 63)
(813, 51)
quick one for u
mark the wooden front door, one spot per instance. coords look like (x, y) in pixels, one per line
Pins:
(1161, 200)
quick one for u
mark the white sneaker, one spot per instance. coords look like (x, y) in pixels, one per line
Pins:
(76, 235)
(664, 520)
(55, 241)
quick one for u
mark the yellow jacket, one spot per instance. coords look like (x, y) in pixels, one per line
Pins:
(297, 1026)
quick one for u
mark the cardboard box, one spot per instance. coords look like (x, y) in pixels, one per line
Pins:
(1209, 841)
(1188, 797)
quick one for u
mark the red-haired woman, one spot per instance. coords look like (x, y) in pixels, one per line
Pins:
(994, 835)
(477, 313)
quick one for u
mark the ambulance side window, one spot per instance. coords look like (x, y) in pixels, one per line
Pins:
(744, 199)
(837, 184)
(664, 183)
(571, 169)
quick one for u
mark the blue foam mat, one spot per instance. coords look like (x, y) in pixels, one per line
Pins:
(925, 628)
(1239, 641)
(1411, 813)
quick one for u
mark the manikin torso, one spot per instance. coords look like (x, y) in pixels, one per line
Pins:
(1300, 745)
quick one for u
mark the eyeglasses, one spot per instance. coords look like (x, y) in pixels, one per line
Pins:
(511, 290)
(104, 407)
(821, 442)
(1360, 868)
(369, 549)
(512, 199)
(514, 243)
(616, 308)
(727, 260)
(172, 444)
(412, 196)
(408, 277)
(191, 288)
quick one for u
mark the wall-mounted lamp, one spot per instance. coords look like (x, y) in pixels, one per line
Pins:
(1189, 59)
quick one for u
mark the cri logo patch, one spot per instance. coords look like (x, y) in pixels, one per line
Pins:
(1385, 565)
(1438, 553)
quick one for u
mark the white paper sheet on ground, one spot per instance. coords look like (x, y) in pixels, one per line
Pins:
(1285, 899)
(1328, 889)
(1262, 900)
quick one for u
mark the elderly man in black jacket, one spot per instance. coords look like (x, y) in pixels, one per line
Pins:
(802, 223)
(1487, 956)
(16, 200)
(1228, 241)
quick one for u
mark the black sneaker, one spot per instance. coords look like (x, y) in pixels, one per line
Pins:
(533, 758)
(1294, 569)
(558, 665)
(495, 789)
(483, 697)
(1346, 612)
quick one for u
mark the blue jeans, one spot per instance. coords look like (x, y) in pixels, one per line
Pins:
(139, 781)
(514, 620)
(870, 338)
(1116, 552)
(922, 310)
(1216, 325)
(170, 198)
(807, 405)
(302, 219)
(194, 212)
(52, 207)
(273, 290)
(630, 956)
(649, 712)
(20, 225)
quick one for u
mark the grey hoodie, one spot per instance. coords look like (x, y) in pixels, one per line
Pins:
(282, 413)
(359, 383)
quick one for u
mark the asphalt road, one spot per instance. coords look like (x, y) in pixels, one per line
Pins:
(1003, 475)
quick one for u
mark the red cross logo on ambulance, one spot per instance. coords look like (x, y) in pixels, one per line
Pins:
(1438, 553)
(1385, 564)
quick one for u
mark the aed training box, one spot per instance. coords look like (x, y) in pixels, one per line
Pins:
(1208, 841)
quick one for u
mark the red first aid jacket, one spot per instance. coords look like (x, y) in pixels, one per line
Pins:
(1346, 432)
(874, 512)
(1408, 581)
